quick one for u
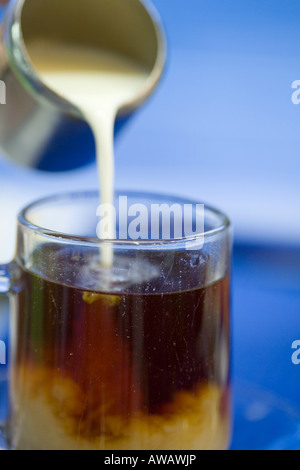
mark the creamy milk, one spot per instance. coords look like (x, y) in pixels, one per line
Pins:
(99, 83)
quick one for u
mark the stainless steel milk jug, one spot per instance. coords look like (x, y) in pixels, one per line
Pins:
(40, 129)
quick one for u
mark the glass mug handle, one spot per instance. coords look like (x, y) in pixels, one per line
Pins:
(5, 288)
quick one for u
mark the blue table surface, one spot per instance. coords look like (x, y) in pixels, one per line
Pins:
(222, 128)
(266, 321)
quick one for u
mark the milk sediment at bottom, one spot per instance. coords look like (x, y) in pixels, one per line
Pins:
(193, 422)
(120, 359)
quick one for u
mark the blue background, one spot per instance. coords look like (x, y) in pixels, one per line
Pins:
(222, 128)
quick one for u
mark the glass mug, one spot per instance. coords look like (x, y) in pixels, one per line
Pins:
(135, 356)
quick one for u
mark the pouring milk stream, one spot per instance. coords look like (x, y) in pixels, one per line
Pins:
(98, 83)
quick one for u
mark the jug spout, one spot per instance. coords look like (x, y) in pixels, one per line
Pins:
(39, 128)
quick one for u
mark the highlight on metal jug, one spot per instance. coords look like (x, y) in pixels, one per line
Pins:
(39, 128)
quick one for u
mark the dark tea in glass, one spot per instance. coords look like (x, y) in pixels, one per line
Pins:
(131, 357)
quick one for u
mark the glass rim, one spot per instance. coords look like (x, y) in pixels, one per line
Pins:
(24, 220)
